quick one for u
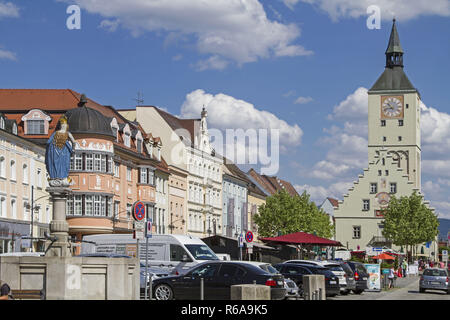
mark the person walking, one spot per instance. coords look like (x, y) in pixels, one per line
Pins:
(5, 290)
(405, 268)
(391, 277)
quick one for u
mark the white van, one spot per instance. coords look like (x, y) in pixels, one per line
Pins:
(164, 251)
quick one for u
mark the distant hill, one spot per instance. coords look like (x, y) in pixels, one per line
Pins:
(444, 227)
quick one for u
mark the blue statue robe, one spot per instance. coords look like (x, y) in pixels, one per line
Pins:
(57, 160)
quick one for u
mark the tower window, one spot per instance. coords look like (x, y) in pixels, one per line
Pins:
(384, 139)
(387, 172)
(393, 188)
(399, 138)
(400, 123)
(366, 205)
(379, 172)
(373, 188)
(356, 232)
(407, 106)
(383, 161)
(383, 123)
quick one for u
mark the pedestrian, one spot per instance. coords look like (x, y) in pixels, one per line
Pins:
(442, 264)
(391, 277)
(431, 264)
(5, 291)
(405, 268)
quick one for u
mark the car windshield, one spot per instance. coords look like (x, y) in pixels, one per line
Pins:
(334, 267)
(268, 268)
(435, 273)
(201, 252)
(347, 268)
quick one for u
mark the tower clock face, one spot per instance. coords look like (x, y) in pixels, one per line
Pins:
(392, 107)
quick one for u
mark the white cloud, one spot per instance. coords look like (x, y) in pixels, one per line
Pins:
(290, 3)
(110, 25)
(440, 168)
(442, 208)
(327, 170)
(7, 55)
(401, 9)
(354, 107)
(225, 30)
(435, 130)
(303, 100)
(8, 10)
(227, 112)
(320, 193)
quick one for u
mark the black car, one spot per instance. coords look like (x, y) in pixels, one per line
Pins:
(361, 276)
(218, 277)
(296, 271)
(351, 282)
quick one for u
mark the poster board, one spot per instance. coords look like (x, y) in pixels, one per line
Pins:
(374, 281)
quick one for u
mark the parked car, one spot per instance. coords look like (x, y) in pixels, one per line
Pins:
(361, 276)
(218, 277)
(296, 271)
(333, 266)
(350, 277)
(292, 290)
(153, 273)
(434, 279)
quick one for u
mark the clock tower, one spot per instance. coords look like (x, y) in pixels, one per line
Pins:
(394, 115)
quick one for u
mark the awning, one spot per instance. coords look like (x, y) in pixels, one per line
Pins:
(302, 238)
(383, 256)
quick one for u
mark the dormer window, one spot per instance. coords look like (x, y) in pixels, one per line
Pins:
(115, 129)
(2, 123)
(159, 153)
(150, 149)
(36, 122)
(139, 145)
(14, 128)
(126, 139)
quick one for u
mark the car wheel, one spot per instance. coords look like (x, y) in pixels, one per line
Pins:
(163, 292)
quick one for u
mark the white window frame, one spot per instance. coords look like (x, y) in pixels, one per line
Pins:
(89, 205)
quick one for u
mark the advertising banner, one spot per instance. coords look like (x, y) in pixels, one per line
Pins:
(374, 282)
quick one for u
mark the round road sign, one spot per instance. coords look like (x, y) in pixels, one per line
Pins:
(139, 211)
(249, 236)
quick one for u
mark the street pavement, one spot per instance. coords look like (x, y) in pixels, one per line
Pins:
(406, 289)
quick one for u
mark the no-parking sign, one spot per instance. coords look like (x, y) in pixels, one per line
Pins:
(139, 211)
(249, 236)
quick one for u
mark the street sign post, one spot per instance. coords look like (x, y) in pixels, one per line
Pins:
(249, 236)
(139, 211)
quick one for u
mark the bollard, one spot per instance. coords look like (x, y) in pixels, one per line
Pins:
(320, 294)
(151, 288)
(317, 295)
(254, 282)
(201, 288)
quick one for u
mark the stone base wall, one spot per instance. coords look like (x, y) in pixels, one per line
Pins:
(74, 278)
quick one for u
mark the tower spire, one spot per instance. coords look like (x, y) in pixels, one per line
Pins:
(394, 51)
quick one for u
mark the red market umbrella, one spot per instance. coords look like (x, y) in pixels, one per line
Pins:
(302, 238)
(384, 256)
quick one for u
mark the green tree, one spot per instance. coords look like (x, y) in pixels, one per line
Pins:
(284, 214)
(409, 222)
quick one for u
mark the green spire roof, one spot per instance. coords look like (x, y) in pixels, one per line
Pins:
(394, 41)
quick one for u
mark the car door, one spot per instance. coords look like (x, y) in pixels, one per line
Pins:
(226, 277)
(188, 285)
(295, 273)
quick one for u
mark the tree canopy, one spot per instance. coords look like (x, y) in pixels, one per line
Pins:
(284, 214)
(408, 221)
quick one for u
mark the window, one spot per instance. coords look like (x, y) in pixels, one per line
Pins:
(205, 271)
(393, 188)
(177, 252)
(39, 178)
(383, 161)
(2, 167)
(103, 166)
(126, 139)
(116, 209)
(128, 174)
(97, 205)
(373, 188)
(356, 232)
(2, 123)
(69, 203)
(383, 123)
(13, 170)
(129, 207)
(13, 209)
(379, 172)
(399, 138)
(407, 106)
(400, 123)
(78, 210)
(89, 209)
(35, 127)
(387, 172)
(25, 174)
(89, 162)
(366, 205)
(116, 169)
(384, 139)
(139, 145)
(150, 177)
(143, 175)
(78, 162)
(227, 271)
(3, 207)
(110, 167)
(97, 162)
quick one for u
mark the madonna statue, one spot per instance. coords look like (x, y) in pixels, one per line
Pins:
(57, 155)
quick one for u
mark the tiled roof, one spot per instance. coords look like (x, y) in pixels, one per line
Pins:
(334, 202)
(273, 184)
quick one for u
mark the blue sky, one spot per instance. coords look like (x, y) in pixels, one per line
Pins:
(257, 55)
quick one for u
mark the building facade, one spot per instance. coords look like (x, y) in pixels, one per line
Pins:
(394, 149)
(115, 163)
(22, 189)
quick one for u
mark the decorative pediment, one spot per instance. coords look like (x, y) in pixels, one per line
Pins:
(36, 114)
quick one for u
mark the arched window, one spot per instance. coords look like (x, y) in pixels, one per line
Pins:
(25, 173)
(2, 123)
(13, 170)
(2, 167)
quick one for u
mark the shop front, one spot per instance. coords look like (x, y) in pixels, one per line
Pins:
(11, 234)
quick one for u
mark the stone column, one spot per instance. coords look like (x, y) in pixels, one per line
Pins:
(59, 228)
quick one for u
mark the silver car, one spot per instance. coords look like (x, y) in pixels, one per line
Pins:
(434, 279)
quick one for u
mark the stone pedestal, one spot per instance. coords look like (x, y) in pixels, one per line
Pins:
(250, 292)
(59, 228)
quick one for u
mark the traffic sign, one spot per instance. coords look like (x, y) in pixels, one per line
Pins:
(445, 253)
(139, 211)
(249, 236)
(139, 230)
(241, 241)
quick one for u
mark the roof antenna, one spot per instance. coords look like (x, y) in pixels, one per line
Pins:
(140, 98)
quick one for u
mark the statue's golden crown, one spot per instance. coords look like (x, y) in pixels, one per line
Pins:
(63, 119)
